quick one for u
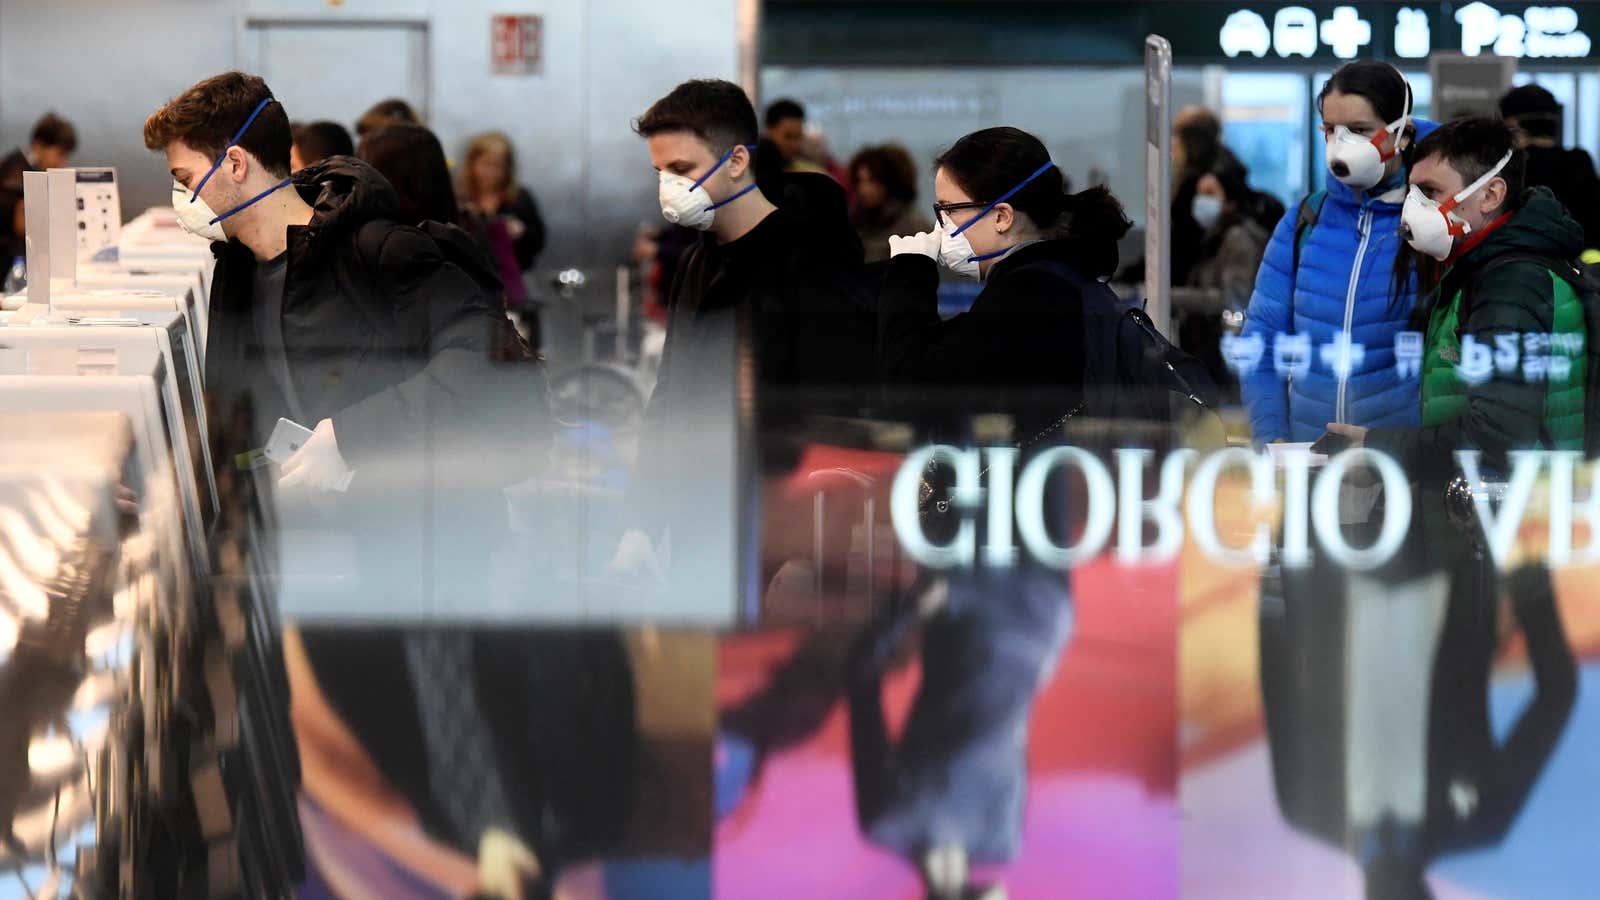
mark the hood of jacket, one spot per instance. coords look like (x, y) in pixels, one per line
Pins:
(1540, 225)
(344, 194)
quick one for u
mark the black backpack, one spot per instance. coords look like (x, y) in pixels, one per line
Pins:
(1131, 374)
(1131, 371)
(1587, 287)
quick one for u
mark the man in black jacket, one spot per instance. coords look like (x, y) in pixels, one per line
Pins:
(1535, 119)
(759, 306)
(327, 312)
(391, 340)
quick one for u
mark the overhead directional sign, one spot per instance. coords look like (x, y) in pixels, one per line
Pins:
(1517, 31)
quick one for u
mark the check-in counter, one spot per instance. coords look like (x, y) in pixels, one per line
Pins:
(146, 738)
(176, 280)
(159, 347)
(76, 581)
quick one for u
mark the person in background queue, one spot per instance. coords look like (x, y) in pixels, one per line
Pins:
(51, 146)
(1535, 118)
(316, 141)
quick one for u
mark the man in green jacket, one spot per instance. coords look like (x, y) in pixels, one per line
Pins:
(1502, 369)
(1502, 364)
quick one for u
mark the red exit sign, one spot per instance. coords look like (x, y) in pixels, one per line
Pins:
(516, 45)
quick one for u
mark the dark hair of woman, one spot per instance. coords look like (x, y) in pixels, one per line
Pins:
(410, 157)
(1234, 189)
(1199, 133)
(1379, 83)
(891, 166)
(988, 163)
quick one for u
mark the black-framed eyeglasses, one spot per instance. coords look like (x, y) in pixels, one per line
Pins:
(939, 210)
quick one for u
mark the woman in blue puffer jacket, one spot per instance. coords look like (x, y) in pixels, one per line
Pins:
(1347, 236)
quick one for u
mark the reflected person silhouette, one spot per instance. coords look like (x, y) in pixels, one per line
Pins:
(1377, 705)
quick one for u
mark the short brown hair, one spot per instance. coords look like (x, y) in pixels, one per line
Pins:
(384, 113)
(319, 140)
(891, 166)
(717, 112)
(54, 131)
(206, 117)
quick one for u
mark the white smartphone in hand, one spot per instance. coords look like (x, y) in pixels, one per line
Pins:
(287, 439)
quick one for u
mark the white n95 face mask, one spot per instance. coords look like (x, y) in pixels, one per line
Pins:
(685, 202)
(1431, 227)
(955, 252)
(195, 215)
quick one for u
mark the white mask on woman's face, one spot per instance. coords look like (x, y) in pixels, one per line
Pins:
(1360, 162)
(1206, 209)
(956, 252)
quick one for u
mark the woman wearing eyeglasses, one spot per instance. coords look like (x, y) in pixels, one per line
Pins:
(950, 793)
(1003, 217)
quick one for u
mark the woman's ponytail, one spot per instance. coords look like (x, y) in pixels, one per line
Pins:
(1092, 215)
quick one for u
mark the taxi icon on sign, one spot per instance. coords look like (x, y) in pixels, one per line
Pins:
(1246, 32)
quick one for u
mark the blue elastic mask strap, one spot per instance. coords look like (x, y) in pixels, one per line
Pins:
(231, 144)
(734, 197)
(989, 255)
(245, 205)
(725, 157)
(1003, 198)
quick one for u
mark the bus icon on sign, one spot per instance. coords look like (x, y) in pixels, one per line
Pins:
(1246, 32)
(1294, 32)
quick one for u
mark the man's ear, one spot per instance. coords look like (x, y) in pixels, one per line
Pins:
(238, 164)
(1494, 197)
(740, 162)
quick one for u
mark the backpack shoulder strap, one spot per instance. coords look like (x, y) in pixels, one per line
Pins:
(1305, 218)
(1561, 268)
(1556, 264)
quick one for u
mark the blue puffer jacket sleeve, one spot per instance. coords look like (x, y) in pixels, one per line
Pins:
(1266, 397)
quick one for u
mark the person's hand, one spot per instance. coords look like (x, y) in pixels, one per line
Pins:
(1360, 475)
(505, 864)
(925, 243)
(318, 464)
(515, 228)
(1356, 434)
